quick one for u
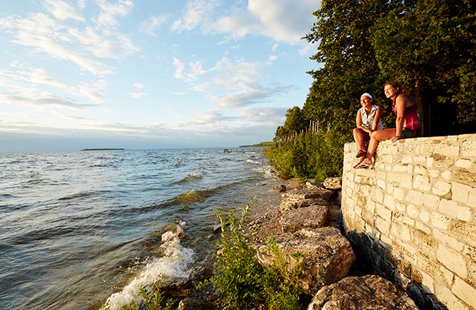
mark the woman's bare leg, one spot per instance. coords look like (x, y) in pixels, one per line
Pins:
(360, 138)
(375, 138)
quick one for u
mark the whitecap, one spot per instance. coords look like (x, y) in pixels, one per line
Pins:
(173, 264)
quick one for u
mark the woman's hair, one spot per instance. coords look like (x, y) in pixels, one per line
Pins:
(399, 89)
(372, 99)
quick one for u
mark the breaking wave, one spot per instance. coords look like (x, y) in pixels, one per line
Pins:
(173, 264)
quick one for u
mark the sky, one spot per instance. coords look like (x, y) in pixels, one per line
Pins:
(150, 74)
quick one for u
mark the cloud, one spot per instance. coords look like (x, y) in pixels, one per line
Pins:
(109, 11)
(35, 86)
(86, 47)
(195, 70)
(282, 20)
(137, 95)
(197, 12)
(151, 24)
(138, 85)
(247, 96)
(63, 10)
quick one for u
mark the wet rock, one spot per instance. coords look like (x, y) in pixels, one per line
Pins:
(200, 273)
(191, 303)
(323, 255)
(334, 183)
(367, 292)
(177, 288)
(217, 228)
(314, 216)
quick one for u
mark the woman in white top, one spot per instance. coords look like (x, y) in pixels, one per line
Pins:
(368, 119)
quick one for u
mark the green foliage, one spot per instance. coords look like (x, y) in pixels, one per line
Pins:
(241, 281)
(429, 47)
(309, 155)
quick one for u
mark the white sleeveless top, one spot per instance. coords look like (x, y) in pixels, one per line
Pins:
(368, 119)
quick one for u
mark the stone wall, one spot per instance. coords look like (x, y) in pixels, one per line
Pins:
(412, 217)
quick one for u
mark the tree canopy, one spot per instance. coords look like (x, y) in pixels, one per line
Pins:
(428, 46)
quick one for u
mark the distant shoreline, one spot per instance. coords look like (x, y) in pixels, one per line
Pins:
(104, 149)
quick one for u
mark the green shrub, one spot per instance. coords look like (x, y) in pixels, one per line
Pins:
(309, 155)
(240, 280)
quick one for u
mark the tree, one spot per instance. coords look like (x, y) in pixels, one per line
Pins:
(294, 122)
(429, 47)
(343, 32)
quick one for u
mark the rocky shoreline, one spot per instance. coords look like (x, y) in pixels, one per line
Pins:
(306, 221)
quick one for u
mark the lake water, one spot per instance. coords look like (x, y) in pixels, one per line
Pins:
(77, 228)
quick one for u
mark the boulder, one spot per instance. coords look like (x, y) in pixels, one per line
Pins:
(314, 216)
(334, 183)
(367, 292)
(322, 255)
(304, 197)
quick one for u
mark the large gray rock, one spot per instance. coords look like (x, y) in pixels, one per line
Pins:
(367, 292)
(314, 216)
(304, 197)
(323, 255)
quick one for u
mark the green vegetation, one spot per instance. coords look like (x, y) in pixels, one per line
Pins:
(241, 281)
(261, 144)
(427, 46)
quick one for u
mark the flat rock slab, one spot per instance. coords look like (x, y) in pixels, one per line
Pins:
(304, 197)
(367, 292)
(314, 216)
(323, 255)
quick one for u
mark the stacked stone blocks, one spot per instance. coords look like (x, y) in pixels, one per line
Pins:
(417, 206)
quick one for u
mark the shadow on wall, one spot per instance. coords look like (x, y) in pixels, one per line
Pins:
(376, 257)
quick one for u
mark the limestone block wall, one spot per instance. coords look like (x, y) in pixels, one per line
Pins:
(413, 217)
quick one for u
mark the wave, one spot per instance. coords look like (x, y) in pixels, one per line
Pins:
(252, 161)
(190, 197)
(173, 264)
(81, 195)
(191, 177)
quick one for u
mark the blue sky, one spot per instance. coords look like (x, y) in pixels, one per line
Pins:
(150, 73)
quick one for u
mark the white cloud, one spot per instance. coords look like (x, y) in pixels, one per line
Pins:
(137, 95)
(197, 12)
(35, 86)
(83, 47)
(109, 11)
(195, 70)
(138, 85)
(282, 20)
(151, 24)
(63, 10)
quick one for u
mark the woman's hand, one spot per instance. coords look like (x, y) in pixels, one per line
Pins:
(395, 138)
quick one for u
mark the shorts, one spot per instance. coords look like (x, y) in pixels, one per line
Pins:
(408, 133)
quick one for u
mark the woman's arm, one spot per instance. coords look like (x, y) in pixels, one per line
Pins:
(358, 122)
(378, 115)
(400, 117)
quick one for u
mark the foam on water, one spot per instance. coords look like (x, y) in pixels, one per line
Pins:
(173, 264)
